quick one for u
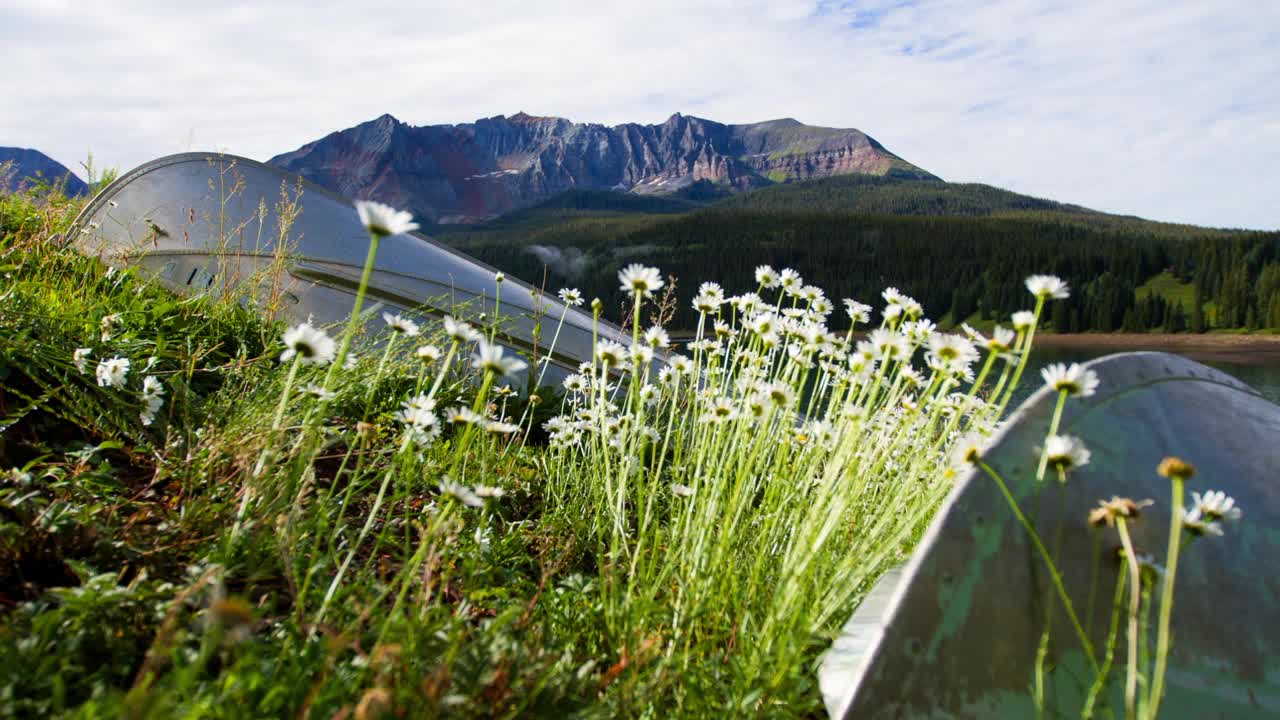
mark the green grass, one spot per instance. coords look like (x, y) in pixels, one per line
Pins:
(1169, 288)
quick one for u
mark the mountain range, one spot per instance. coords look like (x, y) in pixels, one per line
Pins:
(25, 165)
(560, 203)
(471, 172)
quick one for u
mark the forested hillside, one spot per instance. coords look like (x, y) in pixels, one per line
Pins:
(952, 247)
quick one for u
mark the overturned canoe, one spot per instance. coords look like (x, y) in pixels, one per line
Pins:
(954, 633)
(209, 222)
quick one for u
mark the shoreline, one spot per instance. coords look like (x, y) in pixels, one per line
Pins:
(1237, 349)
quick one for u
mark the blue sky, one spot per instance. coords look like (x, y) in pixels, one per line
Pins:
(1165, 109)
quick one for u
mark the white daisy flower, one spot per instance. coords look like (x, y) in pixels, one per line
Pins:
(1001, 340)
(720, 410)
(1215, 505)
(461, 493)
(610, 353)
(641, 355)
(113, 372)
(681, 364)
(766, 276)
(889, 344)
(318, 392)
(952, 350)
(400, 324)
(489, 491)
(499, 277)
(80, 358)
(570, 297)
(415, 411)
(428, 353)
(575, 383)
(309, 344)
(458, 416)
(706, 345)
(712, 290)
(416, 417)
(1196, 523)
(780, 394)
(423, 436)
(746, 303)
(657, 337)
(969, 449)
(858, 312)
(1048, 286)
(1023, 320)
(153, 398)
(460, 331)
(912, 377)
(382, 220)
(706, 304)
(148, 415)
(790, 280)
(648, 393)
(636, 278)
(1064, 452)
(681, 490)
(489, 358)
(763, 323)
(1074, 380)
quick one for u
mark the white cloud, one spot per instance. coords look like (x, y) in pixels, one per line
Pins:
(1153, 107)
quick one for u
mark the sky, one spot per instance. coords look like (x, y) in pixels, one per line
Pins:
(1166, 109)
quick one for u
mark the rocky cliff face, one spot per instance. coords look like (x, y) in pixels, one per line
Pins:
(22, 166)
(476, 171)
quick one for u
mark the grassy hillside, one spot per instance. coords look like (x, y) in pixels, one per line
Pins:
(193, 523)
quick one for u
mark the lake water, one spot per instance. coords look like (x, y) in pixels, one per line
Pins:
(1262, 377)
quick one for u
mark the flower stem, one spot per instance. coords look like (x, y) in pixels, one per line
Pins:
(1101, 680)
(352, 322)
(1053, 430)
(1053, 568)
(1135, 581)
(284, 394)
(1166, 598)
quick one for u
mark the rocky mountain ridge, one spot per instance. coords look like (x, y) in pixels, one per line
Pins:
(476, 171)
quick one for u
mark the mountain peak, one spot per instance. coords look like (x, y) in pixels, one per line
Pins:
(475, 171)
(26, 166)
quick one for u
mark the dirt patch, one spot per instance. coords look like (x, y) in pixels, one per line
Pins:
(1238, 349)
